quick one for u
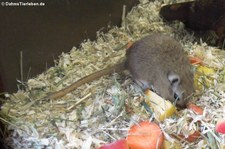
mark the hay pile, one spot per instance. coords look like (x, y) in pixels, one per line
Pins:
(103, 110)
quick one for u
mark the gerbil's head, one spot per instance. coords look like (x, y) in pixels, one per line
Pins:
(180, 88)
(176, 88)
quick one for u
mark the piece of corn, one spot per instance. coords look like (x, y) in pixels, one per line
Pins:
(161, 107)
(203, 77)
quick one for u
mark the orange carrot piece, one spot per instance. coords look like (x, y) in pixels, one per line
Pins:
(129, 44)
(195, 60)
(195, 108)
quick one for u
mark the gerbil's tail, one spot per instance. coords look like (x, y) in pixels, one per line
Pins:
(116, 68)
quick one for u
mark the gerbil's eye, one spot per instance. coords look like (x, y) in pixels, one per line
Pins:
(176, 96)
(175, 80)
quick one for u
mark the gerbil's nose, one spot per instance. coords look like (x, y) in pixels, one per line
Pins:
(175, 96)
(178, 97)
(181, 105)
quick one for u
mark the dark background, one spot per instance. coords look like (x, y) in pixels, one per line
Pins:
(42, 33)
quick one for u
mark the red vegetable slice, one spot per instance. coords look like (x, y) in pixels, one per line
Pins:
(192, 137)
(195, 108)
(145, 135)
(120, 144)
(220, 126)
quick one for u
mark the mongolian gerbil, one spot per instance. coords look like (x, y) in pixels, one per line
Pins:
(155, 61)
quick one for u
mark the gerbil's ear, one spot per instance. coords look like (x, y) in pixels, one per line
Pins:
(173, 78)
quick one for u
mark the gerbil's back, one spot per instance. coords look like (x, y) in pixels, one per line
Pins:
(154, 57)
(155, 53)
